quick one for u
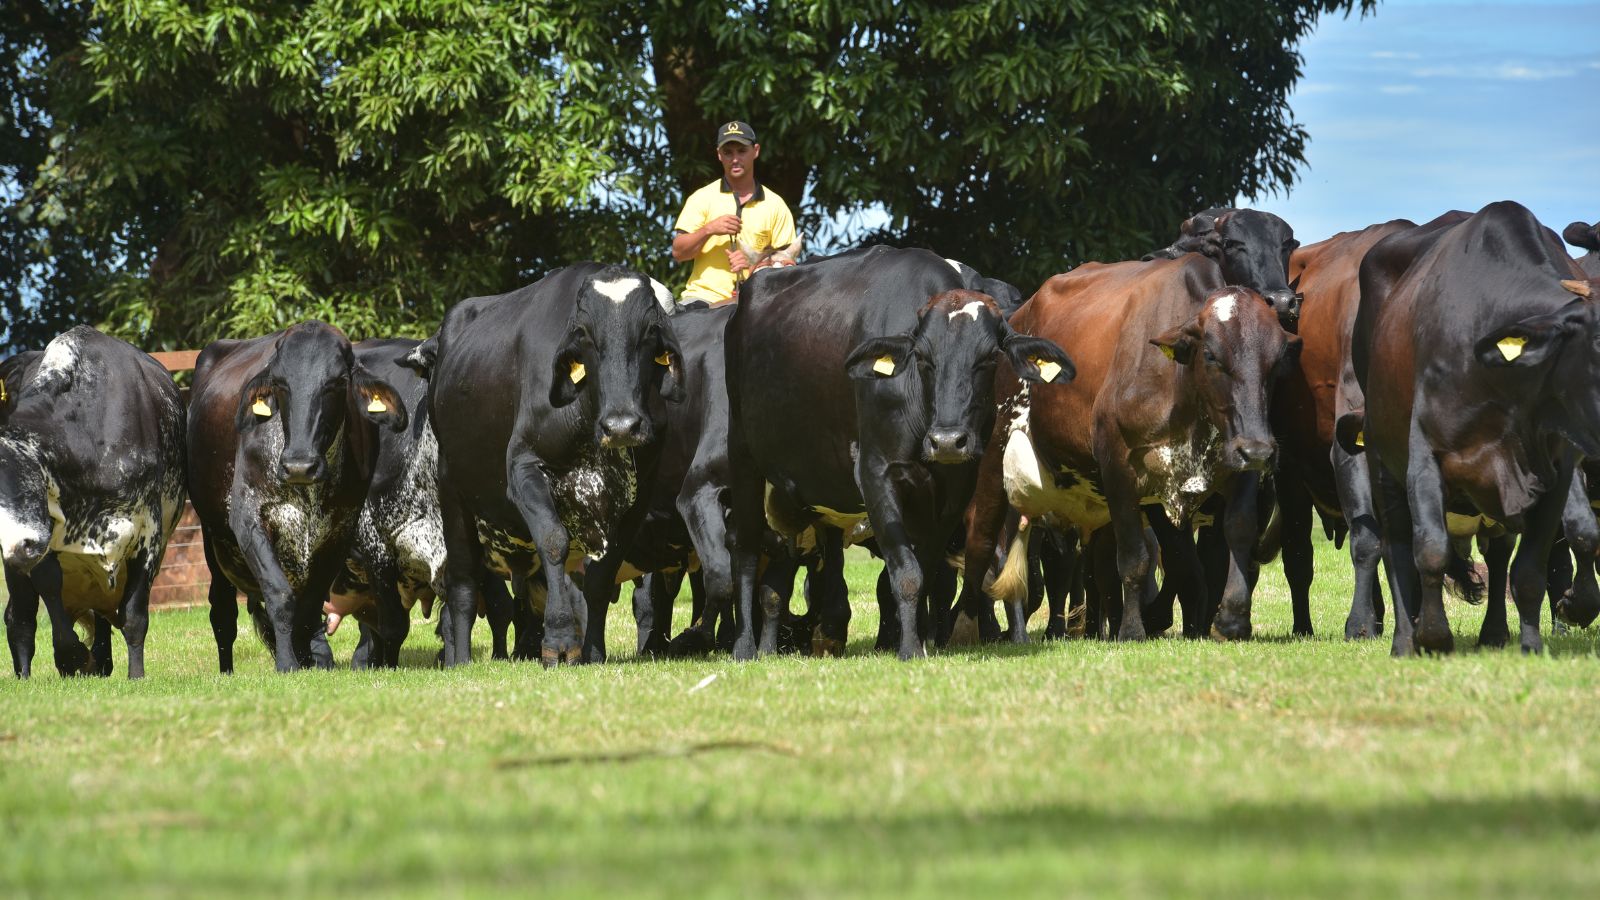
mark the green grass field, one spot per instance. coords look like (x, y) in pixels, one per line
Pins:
(1275, 767)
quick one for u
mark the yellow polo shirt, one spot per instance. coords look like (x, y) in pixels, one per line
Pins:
(767, 224)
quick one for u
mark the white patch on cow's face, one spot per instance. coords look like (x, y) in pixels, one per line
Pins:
(953, 264)
(971, 309)
(617, 290)
(14, 531)
(663, 297)
(60, 357)
(1223, 306)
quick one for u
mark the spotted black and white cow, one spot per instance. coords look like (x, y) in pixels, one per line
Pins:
(548, 405)
(282, 445)
(91, 487)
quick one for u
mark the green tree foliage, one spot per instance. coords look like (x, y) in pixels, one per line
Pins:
(177, 171)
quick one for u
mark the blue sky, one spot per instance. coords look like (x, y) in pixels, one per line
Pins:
(1427, 106)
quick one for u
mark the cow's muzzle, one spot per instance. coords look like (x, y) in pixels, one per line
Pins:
(948, 445)
(1246, 455)
(302, 470)
(622, 430)
(24, 553)
(1286, 304)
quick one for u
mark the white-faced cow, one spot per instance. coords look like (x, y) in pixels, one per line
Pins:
(282, 444)
(91, 486)
(548, 408)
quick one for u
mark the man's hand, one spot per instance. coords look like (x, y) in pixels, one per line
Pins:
(723, 225)
(737, 261)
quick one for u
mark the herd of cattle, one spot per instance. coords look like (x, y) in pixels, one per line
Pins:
(1414, 386)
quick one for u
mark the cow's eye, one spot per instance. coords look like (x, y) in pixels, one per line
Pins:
(1212, 360)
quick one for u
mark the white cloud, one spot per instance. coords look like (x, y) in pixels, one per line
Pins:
(1394, 54)
(1510, 70)
(1400, 89)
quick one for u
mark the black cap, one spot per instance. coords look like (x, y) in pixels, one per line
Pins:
(736, 131)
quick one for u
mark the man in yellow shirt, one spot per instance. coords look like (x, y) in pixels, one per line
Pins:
(729, 221)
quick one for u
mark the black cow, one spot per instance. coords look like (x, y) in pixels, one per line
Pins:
(91, 486)
(1250, 246)
(548, 408)
(282, 444)
(1005, 294)
(897, 363)
(1477, 370)
(1586, 236)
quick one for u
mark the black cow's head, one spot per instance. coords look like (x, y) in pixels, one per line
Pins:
(1251, 247)
(312, 385)
(618, 349)
(945, 367)
(1565, 347)
(1582, 234)
(24, 505)
(1235, 351)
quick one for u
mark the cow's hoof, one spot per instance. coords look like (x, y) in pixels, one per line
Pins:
(552, 656)
(1495, 638)
(1056, 630)
(1434, 637)
(1361, 631)
(1131, 630)
(74, 659)
(1577, 609)
(744, 649)
(693, 642)
(1224, 629)
(1157, 619)
(964, 633)
(916, 651)
(822, 645)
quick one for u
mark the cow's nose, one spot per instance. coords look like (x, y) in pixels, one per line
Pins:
(25, 553)
(1285, 303)
(622, 430)
(300, 471)
(1253, 454)
(949, 445)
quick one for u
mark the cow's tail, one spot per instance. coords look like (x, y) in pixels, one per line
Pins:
(258, 616)
(1011, 585)
(1461, 574)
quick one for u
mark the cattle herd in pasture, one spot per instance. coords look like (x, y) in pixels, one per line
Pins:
(1135, 435)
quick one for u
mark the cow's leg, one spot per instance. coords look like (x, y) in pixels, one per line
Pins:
(1394, 521)
(1299, 567)
(705, 519)
(564, 615)
(888, 615)
(831, 597)
(774, 587)
(986, 518)
(942, 589)
(527, 600)
(887, 501)
(1497, 555)
(600, 590)
(224, 602)
(497, 605)
(72, 657)
(1543, 524)
(1581, 605)
(277, 596)
(22, 621)
(135, 622)
(1135, 545)
(1058, 562)
(100, 662)
(1430, 544)
(1353, 481)
(649, 642)
(1182, 572)
(1239, 529)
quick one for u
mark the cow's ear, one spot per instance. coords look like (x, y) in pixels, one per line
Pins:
(569, 373)
(256, 402)
(1582, 234)
(1179, 343)
(883, 357)
(421, 358)
(1039, 360)
(1349, 432)
(379, 401)
(670, 358)
(1529, 342)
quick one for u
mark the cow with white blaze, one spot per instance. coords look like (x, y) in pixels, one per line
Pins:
(91, 487)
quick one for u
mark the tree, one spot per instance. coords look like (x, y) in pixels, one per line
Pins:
(181, 171)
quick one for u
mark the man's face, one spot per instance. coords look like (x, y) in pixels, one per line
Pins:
(738, 158)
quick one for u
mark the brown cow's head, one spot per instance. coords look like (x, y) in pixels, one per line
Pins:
(619, 349)
(945, 368)
(1564, 347)
(311, 385)
(1235, 350)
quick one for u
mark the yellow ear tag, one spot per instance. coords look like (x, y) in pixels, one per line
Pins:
(1511, 347)
(578, 371)
(1048, 368)
(1168, 352)
(665, 359)
(261, 408)
(884, 365)
(2, 390)
(377, 405)
(1361, 439)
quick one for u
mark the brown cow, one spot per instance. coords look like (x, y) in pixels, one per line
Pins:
(1169, 406)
